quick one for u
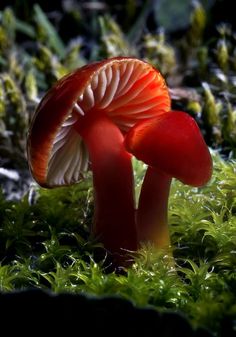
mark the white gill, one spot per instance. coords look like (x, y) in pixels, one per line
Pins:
(111, 89)
(125, 77)
(71, 158)
(101, 87)
(109, 74)
(78, 109)
(123, 67)
(94, 82)
(135, 75)
(88, 98)
(140, 90)
(112, 83)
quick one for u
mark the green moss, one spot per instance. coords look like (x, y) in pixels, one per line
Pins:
(46, 244)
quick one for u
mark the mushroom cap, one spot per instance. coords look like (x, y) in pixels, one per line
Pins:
(173, 144)
(125, 89)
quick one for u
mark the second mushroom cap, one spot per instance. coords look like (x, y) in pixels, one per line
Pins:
(173, 144)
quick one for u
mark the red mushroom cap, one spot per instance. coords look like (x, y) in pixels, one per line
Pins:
(173, 144)
(125, 89)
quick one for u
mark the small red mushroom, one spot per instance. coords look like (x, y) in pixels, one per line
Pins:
(172, 145)
(83, 119)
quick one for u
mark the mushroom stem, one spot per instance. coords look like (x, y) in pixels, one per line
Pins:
(152, 213)
(114, 219)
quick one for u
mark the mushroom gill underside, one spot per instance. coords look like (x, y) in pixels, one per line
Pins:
(127, 92)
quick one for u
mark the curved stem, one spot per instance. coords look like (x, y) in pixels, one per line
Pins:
(152, 213)
(114, 220)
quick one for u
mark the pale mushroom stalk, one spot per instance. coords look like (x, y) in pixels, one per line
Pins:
(114, 222)
(152, 212)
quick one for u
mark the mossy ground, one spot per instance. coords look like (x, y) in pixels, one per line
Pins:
(44, 234)
(45, 243)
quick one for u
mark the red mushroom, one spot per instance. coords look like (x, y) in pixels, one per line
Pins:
(172, 145)
(84, 117)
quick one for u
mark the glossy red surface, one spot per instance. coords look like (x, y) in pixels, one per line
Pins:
(173, 144)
